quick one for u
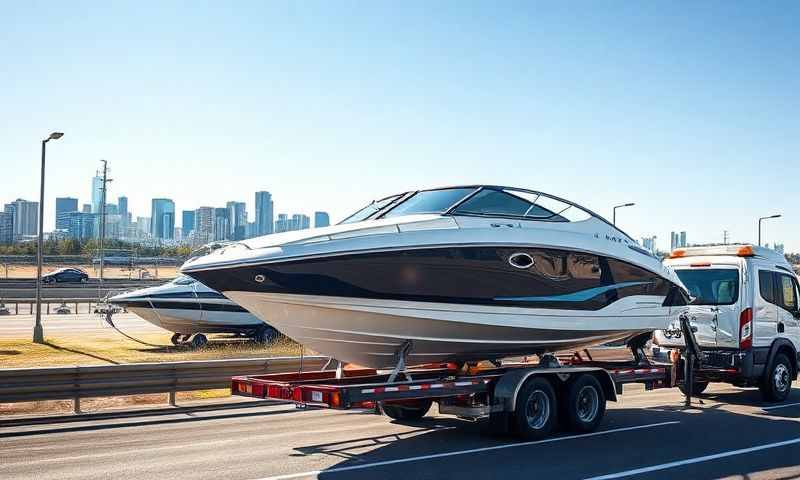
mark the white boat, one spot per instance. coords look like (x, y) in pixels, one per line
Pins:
(451, 274)
(190, 309)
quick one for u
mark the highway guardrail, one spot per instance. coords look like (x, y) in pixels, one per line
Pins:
(79, 382)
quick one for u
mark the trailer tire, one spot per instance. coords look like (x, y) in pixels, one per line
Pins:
(265, 335)
(536, 410)
(584, 405)
(699, 387)
(176, 339)
(199, 341)
(407, 411)
(777, 382)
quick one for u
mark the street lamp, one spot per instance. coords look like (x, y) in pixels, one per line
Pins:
(759, 225)
(614, 216)
(38, 331)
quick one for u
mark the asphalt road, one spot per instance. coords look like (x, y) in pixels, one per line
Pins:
(26, 289)
(646, 435)
(17, 326)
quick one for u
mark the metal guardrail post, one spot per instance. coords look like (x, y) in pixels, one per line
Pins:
(76, 405)
(172, 399)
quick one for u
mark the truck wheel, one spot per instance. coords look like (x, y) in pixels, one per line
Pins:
(699, 387)
(585, 404)
(777, 382)
(536, 411)
(408, 410)
(199, 341)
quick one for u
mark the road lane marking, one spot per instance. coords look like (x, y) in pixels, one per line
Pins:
(774, 407)
(462, 452)
(690, 461)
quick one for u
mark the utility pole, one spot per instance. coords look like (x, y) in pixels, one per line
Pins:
(103, 215)
(725, 237)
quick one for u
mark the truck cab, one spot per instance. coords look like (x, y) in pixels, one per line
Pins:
(745, 315)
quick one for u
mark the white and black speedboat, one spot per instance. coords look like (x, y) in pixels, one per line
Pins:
(190, 309)
(453, 274)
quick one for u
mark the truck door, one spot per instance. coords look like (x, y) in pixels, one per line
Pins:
(788, 309)
(765, 309)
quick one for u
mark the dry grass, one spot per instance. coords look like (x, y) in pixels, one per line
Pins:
(29, 271)
(105, 350)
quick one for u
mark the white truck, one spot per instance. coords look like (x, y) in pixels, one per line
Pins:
(745, 316)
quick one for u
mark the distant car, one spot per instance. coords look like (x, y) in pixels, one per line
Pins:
(66, 275)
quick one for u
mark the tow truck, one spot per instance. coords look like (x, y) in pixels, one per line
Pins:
(526, 399)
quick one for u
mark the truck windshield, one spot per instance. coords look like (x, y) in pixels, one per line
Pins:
(711, 286)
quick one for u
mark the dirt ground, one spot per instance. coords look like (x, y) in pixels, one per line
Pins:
(29, 271)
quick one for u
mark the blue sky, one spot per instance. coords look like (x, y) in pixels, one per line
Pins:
(687, 109)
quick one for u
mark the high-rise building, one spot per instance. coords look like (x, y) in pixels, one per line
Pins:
(683, 240)
(187, 222)
(299, 222)
(251, 230)
(264, 213)
(143, 225)
(221, 224)
(649, 243)
(237, 220)
(162, 218)
(673, 240)
(203, 225)
(64, 205)
(25, 217)
(122, 208)
(112, 209)
(282, 223)
(82, 226)
(87, 208)
(97, 193)
(321, 219)
(6, 228)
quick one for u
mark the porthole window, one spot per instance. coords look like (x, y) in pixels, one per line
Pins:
(520, 260)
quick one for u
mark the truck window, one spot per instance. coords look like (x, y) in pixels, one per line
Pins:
(711, 286)
(788, 293)
(766, 286)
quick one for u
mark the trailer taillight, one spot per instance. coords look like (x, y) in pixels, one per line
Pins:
(746, 328)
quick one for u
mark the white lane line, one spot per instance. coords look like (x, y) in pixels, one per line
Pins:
(774, 407)
(690, 461)
(461, 452)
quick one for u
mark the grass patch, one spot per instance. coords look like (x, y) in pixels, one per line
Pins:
(104, 349)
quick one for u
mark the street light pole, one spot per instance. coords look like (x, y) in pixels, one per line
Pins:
(614, 215)
(759, 225)
(38, 330)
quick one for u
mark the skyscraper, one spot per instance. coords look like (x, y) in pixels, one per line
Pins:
(683, 239)
(25, 217)
(299, 222)
(97, 193)
(264, 214)
(187, 222)
(203, 225)
(162, 218)
(237, 220)
(6, 228)
(64, 205)
(673, 240)
(122, 209)
(221, 224)
(282, 223)
(321, 219)
(87, 208)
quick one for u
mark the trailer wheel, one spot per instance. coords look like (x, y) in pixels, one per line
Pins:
(536, 410)
(407, 410)
(699, 387)
(265, 335)
(176, 339)
(777, 382)
(199, 341)
(585, 404)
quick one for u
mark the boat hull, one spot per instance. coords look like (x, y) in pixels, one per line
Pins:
(370, 332)
(189, 321)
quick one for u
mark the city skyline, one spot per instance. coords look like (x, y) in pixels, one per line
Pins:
(658, 104)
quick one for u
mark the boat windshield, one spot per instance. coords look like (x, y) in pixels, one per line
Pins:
(430, 201)
(371, 209)
(519, 203)
(183, 280)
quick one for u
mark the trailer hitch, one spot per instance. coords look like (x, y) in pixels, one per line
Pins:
(691, 354)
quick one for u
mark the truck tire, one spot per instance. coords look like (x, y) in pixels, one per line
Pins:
(777, 382)
(408, 410)
(536, 410)
(584, 405)
(699, 387)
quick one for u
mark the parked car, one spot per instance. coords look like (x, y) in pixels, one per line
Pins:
(746, 315)
(64, 275)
